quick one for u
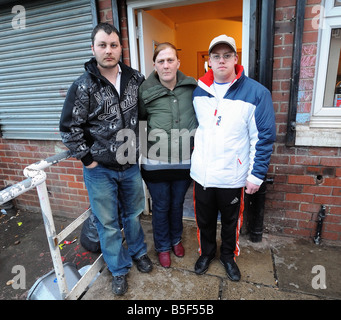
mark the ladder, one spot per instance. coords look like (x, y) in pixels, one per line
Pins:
(36, 178)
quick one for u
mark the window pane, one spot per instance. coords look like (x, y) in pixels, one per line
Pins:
(337, 3)
(332, 97)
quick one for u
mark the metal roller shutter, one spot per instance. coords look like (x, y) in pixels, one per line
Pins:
(38, 64)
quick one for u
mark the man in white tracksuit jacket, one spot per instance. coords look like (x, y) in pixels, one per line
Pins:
(232, 150)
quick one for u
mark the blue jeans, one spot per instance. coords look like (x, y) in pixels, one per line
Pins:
(106, 188)
(168, 199)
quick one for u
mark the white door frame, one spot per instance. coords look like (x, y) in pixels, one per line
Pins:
(133, 31)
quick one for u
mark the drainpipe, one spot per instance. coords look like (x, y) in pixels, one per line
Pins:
(264, 13)
(295, 72)
(321, 216)
(254, 213)
(266, 42)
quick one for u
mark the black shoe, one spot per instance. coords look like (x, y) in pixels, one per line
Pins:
(144, 264)
(232, 269)
(201, 266)
(119, 285)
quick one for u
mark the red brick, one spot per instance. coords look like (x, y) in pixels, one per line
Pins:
(328, 200)
(65, 177)
(307, 180)
(299, 197)
(317, 190)
(285, 3)
(76, 185)
(303, 160)
(332, 227)
(331, 236)
(336, 182)
(104, 4)
(298, 215)
(337, 192)
(331, 162)
(297, 232)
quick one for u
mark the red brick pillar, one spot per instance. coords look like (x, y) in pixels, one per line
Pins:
(122, 12)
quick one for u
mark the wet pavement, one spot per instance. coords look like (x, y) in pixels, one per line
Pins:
(25, 254)
(278, 268)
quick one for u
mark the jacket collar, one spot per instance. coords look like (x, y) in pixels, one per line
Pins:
(91, 67)
(127, 72)
(208, 78)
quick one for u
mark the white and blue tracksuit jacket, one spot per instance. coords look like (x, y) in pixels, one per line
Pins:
(234, 140)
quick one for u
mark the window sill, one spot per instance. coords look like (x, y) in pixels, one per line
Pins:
(314, 136)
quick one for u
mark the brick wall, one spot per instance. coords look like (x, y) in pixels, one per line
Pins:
(122, 11)
(304, 177)
(64, 181)
(105, 11)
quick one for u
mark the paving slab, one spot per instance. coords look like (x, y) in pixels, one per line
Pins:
(302, 266)
(251, 291)
(160, 284)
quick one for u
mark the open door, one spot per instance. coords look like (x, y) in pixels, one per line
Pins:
(151, 31)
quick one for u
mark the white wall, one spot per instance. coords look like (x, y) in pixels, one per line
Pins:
(153, 29)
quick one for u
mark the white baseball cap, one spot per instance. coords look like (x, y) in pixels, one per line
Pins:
(223, 39)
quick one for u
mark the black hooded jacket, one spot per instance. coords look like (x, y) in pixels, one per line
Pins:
(98, 124)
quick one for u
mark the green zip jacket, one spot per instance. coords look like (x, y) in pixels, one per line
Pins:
(171, 124)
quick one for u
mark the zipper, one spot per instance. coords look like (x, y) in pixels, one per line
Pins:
(213, 125)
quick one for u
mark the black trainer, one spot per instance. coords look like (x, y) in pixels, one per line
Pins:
(119, 285)
(201, 266)
(232, 269)
(144, 264)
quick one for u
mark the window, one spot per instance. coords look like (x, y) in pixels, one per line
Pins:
(325, 113)
(332, 94)
(324, 126)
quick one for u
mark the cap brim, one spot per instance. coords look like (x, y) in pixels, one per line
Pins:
(220, 42)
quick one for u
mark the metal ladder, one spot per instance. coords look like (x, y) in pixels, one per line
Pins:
(36, 178)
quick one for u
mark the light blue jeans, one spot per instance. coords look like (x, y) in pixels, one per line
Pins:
(106, 188)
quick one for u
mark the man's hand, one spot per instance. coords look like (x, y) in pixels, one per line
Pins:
(94, 164)
(251, 188)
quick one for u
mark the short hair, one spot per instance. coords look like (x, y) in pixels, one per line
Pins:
(107, 28)
(163, 46)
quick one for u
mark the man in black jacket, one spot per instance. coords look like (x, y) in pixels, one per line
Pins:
(99, 124)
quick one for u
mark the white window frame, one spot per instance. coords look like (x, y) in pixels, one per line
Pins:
(325, 123)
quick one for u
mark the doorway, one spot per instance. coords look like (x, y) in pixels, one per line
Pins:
(190, 25)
